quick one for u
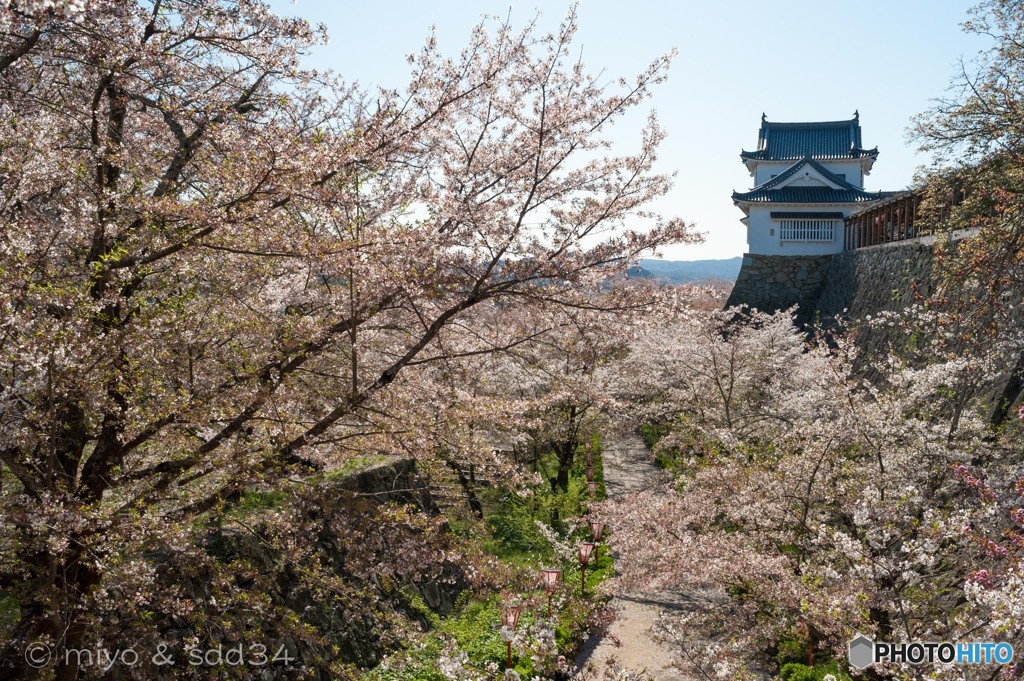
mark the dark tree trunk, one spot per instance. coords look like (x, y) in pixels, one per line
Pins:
(81, 580)
(881, 618)
(1011, 391)
(37, 619)
(53, 607)
(566, 456)
(468, 484)
(50, 615)
(566, 450)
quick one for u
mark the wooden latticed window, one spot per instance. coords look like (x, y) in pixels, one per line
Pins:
(807, 230)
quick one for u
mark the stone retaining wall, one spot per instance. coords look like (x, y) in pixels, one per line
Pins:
(870, 280)
(850, 285)
(777, 282)
(855, 285)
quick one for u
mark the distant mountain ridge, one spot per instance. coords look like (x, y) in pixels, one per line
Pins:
(688, 271)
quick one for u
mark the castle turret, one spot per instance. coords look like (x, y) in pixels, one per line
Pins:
(808, 178)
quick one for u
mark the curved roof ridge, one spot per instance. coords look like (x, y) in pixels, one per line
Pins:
(806, 195)
(798, 124)
(770, 191)
(853, 152)
(807, 160)
(830, 176)
(783, 176)
(786, 140)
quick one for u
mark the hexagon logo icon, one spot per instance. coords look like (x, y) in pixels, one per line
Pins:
(862, 651)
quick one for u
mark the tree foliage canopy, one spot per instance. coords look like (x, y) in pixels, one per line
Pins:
(217, 264)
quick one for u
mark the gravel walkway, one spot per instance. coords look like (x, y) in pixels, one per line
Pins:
(629, 467)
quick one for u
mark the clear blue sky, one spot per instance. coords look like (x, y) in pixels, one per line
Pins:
(796, 60)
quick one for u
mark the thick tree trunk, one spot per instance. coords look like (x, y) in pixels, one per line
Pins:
(53, 609)
(37, 621)
(82, 578)
(468, 484)
(566, 450)
(566, 456)
(1011, 391)
(51, 614)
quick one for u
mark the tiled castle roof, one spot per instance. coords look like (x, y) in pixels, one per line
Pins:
(809, 195)
(825, 140)
(771, 192)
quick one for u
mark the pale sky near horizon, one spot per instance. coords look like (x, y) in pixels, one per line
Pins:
(796, 60)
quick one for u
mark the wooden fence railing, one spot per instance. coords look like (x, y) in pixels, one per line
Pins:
(896, 219)
(893, 219)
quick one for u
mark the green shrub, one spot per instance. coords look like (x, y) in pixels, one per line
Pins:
(514, 538)
(794, 671)
(652, 432)
(10, 611)
(253, 501)
(791, 650)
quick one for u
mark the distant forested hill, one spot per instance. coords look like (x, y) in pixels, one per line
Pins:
(684, 271)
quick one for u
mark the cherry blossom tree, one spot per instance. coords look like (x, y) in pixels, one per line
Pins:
(218, 267)
(551, 383)
(977, 184)
(722, 369)
(830, 508)
(561, 385)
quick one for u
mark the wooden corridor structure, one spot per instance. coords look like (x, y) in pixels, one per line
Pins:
(893, 219)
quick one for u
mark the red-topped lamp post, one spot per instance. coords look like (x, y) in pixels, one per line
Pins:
(590, 472)
(550, 579)
(510, 620)
(596, 530)
(584, 553)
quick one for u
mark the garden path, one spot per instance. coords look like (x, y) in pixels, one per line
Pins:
(629, 642)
